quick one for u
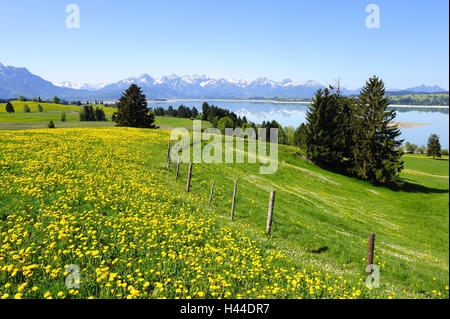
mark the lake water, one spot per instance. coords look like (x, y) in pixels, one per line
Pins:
(294, 114)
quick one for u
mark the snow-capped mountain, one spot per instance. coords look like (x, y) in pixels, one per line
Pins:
(19, 81)
(202, 86)
(78, 86)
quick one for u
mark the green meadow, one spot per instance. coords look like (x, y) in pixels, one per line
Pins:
(322, 220)
(428, 165)
(20, 120)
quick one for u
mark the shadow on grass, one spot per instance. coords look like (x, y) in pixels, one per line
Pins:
(319, 251)
(417, 188)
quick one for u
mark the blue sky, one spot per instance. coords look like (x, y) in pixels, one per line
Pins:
(301, 40)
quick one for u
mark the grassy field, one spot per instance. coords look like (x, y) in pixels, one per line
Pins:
(428, 165)
(103, 199)
(20, 120)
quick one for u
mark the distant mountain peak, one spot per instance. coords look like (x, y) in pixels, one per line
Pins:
(19, 81)
(426, 89)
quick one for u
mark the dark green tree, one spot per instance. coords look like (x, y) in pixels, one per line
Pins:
(56, 100)
(40, 109)
(194, 112)
(434, 146)
(87, 114)
(9, 107)
(99, 114)
(327, 130)
(63, 116)
(132, 109)
(300, 137)
(51, 124)
(26, 108)
(376, 155)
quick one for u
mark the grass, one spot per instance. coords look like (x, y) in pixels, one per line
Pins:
(20, 120)
(102, 198)
(174, 122)
(428, 165)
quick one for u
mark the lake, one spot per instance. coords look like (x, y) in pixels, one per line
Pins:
(294, 114)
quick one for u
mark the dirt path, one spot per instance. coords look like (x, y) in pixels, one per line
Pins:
(422, 173)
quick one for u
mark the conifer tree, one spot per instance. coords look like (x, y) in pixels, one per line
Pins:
(326, 134)
(132, 109)
(376, 155)
(9, 107)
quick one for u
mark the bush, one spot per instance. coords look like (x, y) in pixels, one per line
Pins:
(40, 109)
(51, 124)
(444, 152)
(26, 108)
(63, 116)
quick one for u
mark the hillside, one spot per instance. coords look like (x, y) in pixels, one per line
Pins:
(103, 199)
(20, 120)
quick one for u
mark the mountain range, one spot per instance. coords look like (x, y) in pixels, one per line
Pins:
(16, 81)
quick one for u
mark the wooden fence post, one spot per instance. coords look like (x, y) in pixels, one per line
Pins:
(211, 194)
(270, 212)
(178, 168)
(234, 200)
(188, 185)
(370, 253)
(168, 155)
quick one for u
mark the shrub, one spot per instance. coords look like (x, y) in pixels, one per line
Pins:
(63, 116)
(40, 109)
(26, 108)
(51, 124)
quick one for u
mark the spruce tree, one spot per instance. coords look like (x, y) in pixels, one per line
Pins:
(434, 146)
(132, 109)
(326, 134)
(376, 155)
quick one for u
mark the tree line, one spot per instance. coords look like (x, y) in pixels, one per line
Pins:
(181, 112)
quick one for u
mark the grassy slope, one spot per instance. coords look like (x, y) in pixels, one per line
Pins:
(326, 217)
(321, 220)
